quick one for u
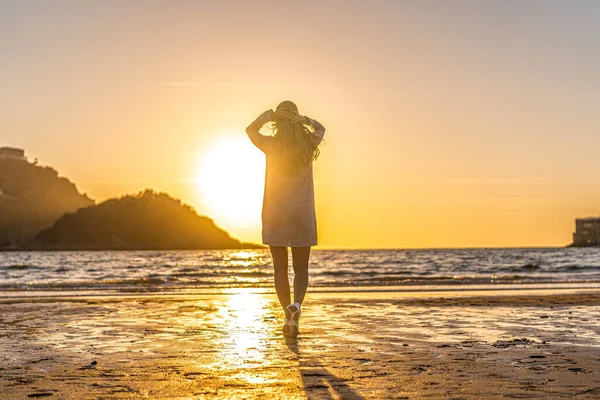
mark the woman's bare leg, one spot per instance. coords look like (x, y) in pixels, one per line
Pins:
(280, 265)
(300, 256)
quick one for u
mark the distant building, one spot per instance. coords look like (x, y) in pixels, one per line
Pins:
(587, 232)
(12, 153)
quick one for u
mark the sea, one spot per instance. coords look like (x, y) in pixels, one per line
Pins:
(218, 271)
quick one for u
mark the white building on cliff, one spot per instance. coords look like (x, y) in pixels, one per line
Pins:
(12, 153)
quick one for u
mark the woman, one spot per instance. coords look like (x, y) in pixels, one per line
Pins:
(288, 213)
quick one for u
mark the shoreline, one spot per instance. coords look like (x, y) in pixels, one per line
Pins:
(393, 292)
(356, 345)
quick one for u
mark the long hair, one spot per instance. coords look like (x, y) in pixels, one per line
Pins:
(295, 145)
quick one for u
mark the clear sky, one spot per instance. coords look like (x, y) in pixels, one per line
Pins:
(449, 123)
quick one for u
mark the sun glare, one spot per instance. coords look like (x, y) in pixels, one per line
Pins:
(231, 182)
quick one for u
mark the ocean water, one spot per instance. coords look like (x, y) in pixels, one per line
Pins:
(167, 271)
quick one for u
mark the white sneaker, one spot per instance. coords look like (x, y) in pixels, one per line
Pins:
(292, 321)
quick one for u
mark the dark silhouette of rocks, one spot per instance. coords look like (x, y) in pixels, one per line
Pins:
(40, 210)
(32, 197)
(145, 221)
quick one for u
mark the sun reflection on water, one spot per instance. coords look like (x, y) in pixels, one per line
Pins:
(244, 258)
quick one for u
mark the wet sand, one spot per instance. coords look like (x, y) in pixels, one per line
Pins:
(353, 345)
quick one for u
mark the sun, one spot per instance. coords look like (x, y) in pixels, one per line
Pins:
(231, 182)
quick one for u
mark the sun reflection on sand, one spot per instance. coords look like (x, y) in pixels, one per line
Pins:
(244, 320)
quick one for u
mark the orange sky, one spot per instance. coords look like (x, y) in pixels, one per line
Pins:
(449, 124)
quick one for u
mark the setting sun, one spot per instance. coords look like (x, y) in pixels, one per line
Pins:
(230, 180)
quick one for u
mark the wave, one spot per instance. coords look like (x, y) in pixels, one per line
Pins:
(166, 270)
(19, 267)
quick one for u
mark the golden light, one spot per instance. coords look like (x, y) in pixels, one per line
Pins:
(244, 316)
(231, 182)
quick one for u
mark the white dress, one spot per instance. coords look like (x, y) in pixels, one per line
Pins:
(288, 212)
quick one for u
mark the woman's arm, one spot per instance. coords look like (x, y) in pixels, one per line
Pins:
(253, 129)
(317, 128)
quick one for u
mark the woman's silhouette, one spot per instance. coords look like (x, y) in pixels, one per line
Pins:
(288, 213)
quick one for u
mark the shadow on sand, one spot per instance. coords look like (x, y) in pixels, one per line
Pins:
(318, 382)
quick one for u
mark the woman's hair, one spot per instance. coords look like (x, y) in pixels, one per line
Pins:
(295, 144)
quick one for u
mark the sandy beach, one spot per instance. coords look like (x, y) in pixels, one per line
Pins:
(499, 344)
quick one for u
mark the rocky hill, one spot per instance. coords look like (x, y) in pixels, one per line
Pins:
(146, 221)
(32, 197)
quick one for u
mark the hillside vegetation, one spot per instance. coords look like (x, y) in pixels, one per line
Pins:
(32, 198)
(148, 220)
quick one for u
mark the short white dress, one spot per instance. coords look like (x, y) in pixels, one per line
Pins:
(288, 212)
